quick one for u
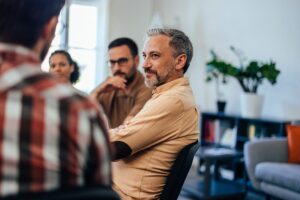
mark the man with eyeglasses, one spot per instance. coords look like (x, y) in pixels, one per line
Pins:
(124, 94)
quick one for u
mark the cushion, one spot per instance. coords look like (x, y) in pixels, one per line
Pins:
(280, 174)
(293, 135)
(279, 192)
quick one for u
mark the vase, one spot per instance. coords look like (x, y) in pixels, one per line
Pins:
(251, 105)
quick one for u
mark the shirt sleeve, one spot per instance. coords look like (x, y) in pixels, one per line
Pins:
(152, 125)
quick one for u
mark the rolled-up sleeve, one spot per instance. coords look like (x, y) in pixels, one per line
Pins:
(152, 125)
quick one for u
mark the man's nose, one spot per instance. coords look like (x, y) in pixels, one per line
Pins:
(117, 66)
(146, 63)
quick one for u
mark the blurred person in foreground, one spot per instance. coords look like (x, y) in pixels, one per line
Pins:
(50, 136)
(148, 144)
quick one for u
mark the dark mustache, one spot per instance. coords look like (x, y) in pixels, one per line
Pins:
(149, 71)
(119, 73)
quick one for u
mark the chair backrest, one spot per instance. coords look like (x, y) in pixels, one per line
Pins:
(84, 193)
(179, 172)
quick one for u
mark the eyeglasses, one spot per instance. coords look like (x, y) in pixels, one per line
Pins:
(60, 27)
(120, 61)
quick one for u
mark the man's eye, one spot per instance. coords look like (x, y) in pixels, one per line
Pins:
(154, 56)
(122, 61)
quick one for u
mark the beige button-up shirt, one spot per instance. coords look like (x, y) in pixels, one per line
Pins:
(119, 105)
(168, 122)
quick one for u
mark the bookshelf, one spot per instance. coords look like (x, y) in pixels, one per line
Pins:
(223, 137)
(233, 131)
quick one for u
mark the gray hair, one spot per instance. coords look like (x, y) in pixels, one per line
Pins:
(180, 43)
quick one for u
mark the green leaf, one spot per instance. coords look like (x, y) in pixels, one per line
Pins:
(249, 76)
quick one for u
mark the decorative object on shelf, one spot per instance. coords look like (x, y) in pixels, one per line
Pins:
(221, 104)
(250, 76)
(219, 75)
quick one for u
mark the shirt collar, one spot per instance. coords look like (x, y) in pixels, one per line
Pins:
(17, 53)
(168, 85)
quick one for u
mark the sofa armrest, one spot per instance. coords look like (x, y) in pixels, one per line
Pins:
(264, 150)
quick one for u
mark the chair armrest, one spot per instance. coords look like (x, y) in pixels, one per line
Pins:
(264, 150)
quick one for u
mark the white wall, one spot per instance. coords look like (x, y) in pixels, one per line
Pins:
(263, 29)
(129, 18)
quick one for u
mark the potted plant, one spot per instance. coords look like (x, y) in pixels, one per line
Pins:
(217, 72)
(250, 75)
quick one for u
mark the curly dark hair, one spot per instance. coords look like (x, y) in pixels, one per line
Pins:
(74, 77)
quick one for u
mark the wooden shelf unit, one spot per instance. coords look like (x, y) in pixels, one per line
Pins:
(215, 125)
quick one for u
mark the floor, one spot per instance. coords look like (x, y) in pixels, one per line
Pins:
(193, 177)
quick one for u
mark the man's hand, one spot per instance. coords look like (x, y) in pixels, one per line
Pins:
(110, 84)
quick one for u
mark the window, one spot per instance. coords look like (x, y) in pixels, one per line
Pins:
(82, 32)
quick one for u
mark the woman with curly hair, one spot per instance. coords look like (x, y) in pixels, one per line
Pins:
(62, 65)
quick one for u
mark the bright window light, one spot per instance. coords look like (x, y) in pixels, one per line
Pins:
(82, 32)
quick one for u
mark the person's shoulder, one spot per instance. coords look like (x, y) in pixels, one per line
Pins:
(107, 96)
(181, 89)
(170, 97)
(60, 91)
(168, 101)
(178, 95)
(41, 84)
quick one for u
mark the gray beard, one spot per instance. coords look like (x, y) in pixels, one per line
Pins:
(159, 80)
(151, 83)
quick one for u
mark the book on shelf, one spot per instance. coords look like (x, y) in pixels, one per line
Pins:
(256, 131)
(209, 131)
(226, 173)
(251, 131)
(220, 132)
(224, 127)
(229, 137)
(217, 130)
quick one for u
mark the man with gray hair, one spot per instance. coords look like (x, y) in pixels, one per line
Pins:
(148, 144)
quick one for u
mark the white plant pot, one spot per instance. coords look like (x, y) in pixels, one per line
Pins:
(251, 105)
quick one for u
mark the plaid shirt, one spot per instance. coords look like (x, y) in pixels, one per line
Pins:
(50, 136)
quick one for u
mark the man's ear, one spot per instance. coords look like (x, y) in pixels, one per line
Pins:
(48, 31)
(46, 36)
(180, 61)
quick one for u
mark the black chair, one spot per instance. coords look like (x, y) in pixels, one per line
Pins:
(179, 172)
(84, 193)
